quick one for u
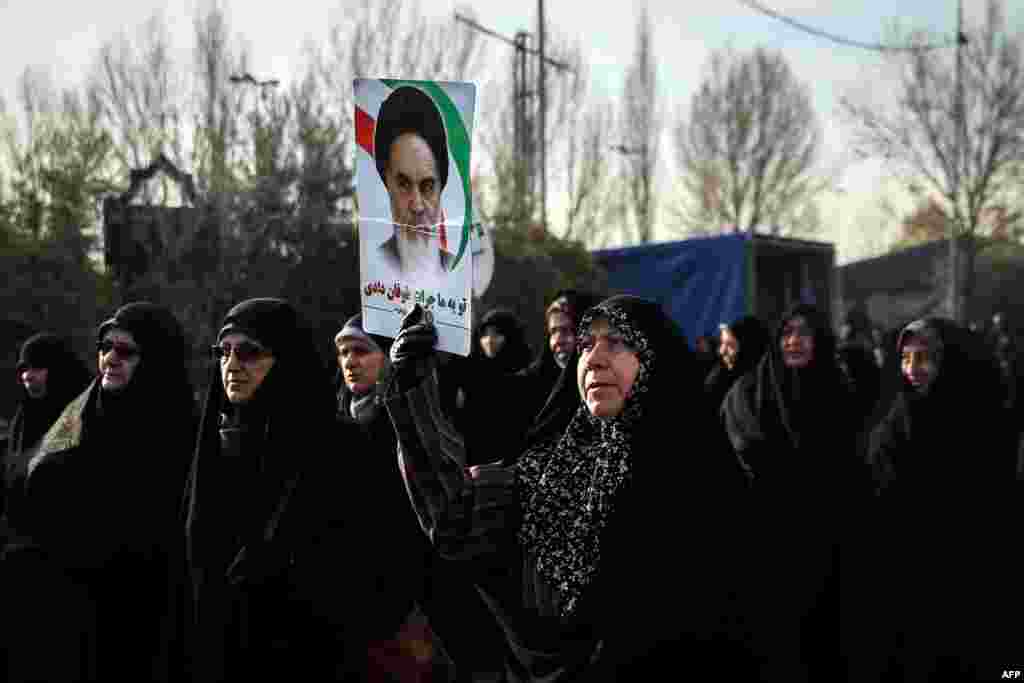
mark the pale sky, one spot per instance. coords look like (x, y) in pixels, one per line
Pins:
(63, 38)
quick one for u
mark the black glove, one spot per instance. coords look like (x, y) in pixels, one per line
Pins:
(412, 352)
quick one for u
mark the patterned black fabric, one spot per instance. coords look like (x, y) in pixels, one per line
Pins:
(585, 588)
(568, 491)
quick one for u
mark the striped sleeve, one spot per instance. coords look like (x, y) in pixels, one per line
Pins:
(466, 512)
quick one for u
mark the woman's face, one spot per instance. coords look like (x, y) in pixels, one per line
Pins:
(361, 364)
(919, 364)
(491, 341)
(244, 365)
(34, 381)
(797, 343)
(119, 358)
(728, 347)
(607, 369)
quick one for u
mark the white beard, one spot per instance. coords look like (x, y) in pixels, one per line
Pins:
(419, 256)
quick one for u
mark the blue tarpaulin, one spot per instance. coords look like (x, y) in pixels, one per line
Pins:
(700, 282)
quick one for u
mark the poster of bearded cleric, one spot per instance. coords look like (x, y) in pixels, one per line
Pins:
(415, 204)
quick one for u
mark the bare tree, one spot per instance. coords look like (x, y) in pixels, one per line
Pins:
(588, 173)
(142, 95)
(219, 105)
(508, 199)
(641, 128)
(391, 38)
(953, 137)
(748, 149)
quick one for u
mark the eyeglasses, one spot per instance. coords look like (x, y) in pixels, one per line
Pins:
(245, 352)
(125, 351)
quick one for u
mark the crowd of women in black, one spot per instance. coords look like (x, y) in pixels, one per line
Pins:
(614, 510)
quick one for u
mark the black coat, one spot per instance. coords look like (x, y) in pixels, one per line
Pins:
(394, 550)
(264, 514)
(794, 435)
(398, 568)
(96, 536)
(67, 378)
(943, 469)
(752, 338)
(494, 401)
(658, 597)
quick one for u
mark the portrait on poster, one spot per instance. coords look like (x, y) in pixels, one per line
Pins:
(415, 204)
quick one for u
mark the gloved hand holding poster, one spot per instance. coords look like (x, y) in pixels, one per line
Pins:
(415, 204)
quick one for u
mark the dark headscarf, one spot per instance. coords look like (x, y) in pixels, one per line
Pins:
(514, 354)
(542, 375)
(570, 479)
(964, 364)
(794, 431)
(112, 452)
(753, 340)
(103, 495)
(158, 333)
(786, 403)
(572, 303)
(959, 412)
(353, 327)
(159, 391)
(159, 382)
(67, 378)
(289, 415)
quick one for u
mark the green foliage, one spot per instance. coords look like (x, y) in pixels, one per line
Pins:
(47, 286)
(47, 222)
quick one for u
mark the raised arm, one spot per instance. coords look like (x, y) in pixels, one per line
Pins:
(466, 512)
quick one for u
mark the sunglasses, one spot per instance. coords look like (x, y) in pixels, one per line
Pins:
(245, 352)
(124, 351)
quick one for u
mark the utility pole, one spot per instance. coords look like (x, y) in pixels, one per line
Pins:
(959, 171)
(530, 143)
(543, 91)
(525, 171)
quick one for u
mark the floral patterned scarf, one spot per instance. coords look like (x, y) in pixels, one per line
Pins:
(568, 487)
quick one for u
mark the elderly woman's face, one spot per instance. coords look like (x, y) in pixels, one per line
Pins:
(244, 364)
(607, 369)
(361, 364)
(119, 358)
(797, 343)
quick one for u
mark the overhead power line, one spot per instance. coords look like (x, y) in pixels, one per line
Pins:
(494, 34)
(877, 47)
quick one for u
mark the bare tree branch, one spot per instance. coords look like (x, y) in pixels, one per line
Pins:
(749, 147)
(973, 172)
(641, 129)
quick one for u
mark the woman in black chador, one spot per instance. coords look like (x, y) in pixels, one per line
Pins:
(793, 429)
(260, 529)
(50, 375)
(492, 408)
(95, 535)
(594, 548)
(740, 347)
(942, 460)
